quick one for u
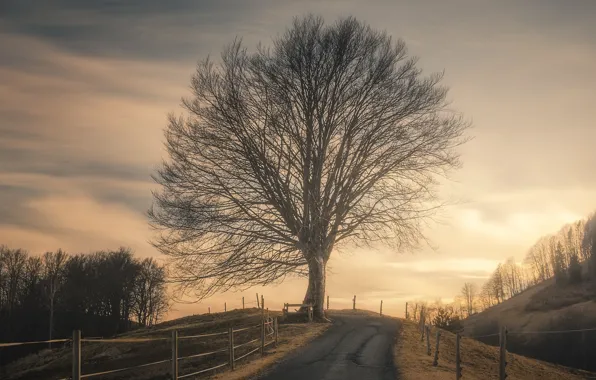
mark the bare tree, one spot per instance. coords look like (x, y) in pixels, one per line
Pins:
(469, 293)
(486, 296)
(512, 277)
(53, 264)
(331, 136)
(15, 261)
(149, 297)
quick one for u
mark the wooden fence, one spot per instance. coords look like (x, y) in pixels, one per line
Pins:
(268, 335)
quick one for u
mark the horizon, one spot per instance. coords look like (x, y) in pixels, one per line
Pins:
(86, 90)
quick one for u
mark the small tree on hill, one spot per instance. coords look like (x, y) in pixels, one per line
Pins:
(447, 319)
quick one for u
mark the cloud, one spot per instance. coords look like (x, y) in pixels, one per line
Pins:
(88, 220)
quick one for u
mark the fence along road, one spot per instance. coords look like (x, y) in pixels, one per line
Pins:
(268, 329)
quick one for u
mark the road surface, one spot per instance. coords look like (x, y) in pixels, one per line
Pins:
(356, 347)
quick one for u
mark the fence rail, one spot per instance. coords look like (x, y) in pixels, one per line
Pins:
(12, 344)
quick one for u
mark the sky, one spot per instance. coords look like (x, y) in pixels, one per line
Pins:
(86, 86)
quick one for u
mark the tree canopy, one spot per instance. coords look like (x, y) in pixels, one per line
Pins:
(332, 135)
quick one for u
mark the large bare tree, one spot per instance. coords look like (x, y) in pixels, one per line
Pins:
(330, 136)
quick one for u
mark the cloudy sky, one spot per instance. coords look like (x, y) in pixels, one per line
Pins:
(85, 87)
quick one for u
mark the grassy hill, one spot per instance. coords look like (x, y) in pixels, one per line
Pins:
(478, 360)
(544, 307)
(97, 357)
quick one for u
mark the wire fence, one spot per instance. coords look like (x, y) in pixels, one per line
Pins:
(503, 359)
(268, 335)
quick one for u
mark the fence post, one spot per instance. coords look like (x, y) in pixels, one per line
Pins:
(381, 310)
(407, 311)
(275, 330)
(258, 307)
(262, 337)
(209, 310)
(427, 340)
(76, 355)
(354, 303)
(174, 355)
(457, 357)
(231, 348)
(327, 302)
(436, 360)
(262, 307)
(225, 307)
(243, 302)
(502, 353)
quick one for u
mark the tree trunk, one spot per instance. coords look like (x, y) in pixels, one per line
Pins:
(315, 293)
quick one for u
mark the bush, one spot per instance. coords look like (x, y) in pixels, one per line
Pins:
(447, 320)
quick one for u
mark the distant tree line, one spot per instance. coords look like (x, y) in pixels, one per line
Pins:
(569, 255)
(103, 293)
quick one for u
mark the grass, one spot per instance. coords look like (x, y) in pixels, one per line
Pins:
(479, 361)
(555, 297)
(97, 357)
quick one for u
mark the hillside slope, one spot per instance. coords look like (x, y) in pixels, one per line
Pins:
(544, 307)
(478, 360)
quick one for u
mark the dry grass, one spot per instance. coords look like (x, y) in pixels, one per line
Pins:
(479, 361)
(96, 357)
(545, 306)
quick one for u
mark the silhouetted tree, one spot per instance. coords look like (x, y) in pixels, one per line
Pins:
(149, 300)
(331, 136)
(14, 262)
(53, 268)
